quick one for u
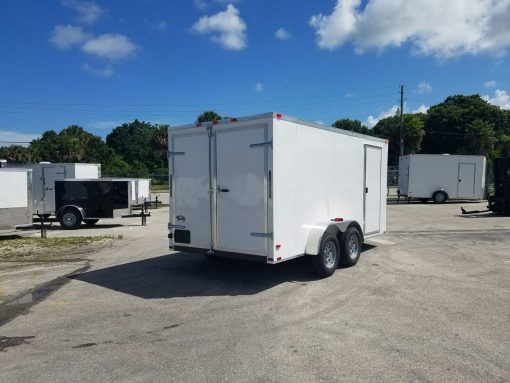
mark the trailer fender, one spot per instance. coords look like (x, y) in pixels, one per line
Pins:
(79, 208)
(318, 230)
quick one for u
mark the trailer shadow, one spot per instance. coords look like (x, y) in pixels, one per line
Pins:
(192, 275)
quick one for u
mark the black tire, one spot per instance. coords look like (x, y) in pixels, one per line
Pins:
(440, 197)
(90, 222)
(70, 218)
(326, 262)
(351, 244)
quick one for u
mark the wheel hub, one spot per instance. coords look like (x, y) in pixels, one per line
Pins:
(353, 246)
(329, 254)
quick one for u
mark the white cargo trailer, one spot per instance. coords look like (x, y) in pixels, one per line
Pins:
(140, 189)
(44, 176)
(15, 198)
(272, 188)
(440, 177)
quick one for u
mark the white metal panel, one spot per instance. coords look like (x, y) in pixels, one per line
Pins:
(13, 189)
(86, 171)
(241, 169)
(190, 205)
(372, 203)
(144, 189)
(466, 181)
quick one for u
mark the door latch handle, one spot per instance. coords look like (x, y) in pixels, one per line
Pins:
(366, 190)
(223, 190)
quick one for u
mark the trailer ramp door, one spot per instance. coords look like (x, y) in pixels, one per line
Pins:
(241, 197)
(189, 159)
(372, 190)
(466, 182)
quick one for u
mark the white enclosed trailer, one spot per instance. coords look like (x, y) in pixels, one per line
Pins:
(272, 188)
(441, 177)
(15, 198)
(140, 189)
(44, 176)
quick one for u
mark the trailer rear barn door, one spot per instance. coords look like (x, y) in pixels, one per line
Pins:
(241, 198)
(50, 175)
(372, 190)
(190, 188)
(466, 183)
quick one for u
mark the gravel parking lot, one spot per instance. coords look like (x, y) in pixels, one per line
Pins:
(428, 301)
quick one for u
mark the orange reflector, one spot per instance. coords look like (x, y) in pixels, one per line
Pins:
(337, 219)
(278, 247)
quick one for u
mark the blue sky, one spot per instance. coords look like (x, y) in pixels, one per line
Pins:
(101, 63)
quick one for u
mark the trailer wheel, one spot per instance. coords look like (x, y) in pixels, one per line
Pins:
(90, 222)
(439, 197)
(70, 219)
(351, 247)
(326, 262)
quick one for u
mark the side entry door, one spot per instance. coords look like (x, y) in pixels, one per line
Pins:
(241, 163)
(372, 190)
(466, 183)
(50, 175)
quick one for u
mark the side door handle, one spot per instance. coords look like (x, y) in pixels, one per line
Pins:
(222, 190)
(366, 190)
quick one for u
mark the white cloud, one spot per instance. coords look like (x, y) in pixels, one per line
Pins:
(421, 109)
(227, 28)
(88, 11)
(372, 121)
(110, 46)
(282, 34)
(67, 36)
(490, 84)
(393, 111)
(501, 98)
(160, 26)
(107, 71)
(423, 87)
(8, 138)
(443, 29)
(259, 87)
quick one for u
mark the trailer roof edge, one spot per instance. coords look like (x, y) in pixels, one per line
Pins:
(280, 116)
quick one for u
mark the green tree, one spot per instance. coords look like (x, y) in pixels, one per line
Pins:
(389, 128)
(208, 116)
(480, 138)
(449, 125)
(16, 154)
(351, 125)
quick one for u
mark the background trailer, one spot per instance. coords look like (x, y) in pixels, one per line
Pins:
(91, 200)
(15, 198)
(44, 176)
(272, 188)
(441, 177)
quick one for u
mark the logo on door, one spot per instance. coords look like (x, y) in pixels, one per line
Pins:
(181, 218)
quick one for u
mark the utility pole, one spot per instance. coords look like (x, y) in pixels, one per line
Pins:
(401, 120)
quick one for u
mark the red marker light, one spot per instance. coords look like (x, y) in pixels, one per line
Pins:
(337, 219)
(198, 125)
(279, 258)
(233, 119)
(215, 122)
(278, 247)
(279, 115)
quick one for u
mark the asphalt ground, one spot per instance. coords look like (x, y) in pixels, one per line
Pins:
(427, 302)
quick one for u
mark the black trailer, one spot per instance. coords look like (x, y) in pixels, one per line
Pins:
(78, 201)
(499, 202)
